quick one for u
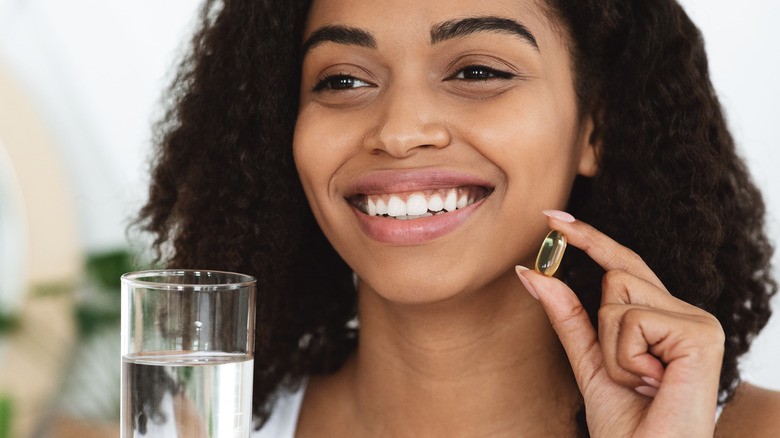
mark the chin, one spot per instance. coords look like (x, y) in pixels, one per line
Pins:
(427, 288)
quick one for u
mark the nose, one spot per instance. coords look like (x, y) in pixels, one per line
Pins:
(408, 120)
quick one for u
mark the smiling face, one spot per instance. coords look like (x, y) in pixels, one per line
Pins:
(432, 134)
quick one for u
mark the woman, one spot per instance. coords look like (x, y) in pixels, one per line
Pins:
(417, 145)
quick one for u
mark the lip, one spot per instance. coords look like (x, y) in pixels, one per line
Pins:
(400, 181)
(416, 231)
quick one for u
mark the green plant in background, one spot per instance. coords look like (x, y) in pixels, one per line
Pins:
(6, 413)
(91, 390)
(105, 268)
(100, 306)
(9, 322)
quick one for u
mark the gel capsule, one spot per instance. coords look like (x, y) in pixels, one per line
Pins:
(551, 253)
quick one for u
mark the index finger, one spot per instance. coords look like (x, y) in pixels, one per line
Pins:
(609, 254)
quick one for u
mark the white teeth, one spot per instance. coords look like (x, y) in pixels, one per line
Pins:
(435, 203)
(463, 200)
(450, 203)
(396, 207)
(419, 204)
(381, 207)
(416, 205)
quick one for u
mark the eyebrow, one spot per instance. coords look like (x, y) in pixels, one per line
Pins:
(441, 32)
(341, 35)
(467, 26)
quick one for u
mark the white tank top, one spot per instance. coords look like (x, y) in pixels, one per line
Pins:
(284, 417)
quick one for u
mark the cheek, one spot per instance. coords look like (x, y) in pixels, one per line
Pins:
(319, 150)
(307, 152)
(531, 137)
(321, 147)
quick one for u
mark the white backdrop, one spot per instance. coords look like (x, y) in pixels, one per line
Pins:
(96, 68)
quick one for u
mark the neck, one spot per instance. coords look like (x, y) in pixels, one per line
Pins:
(485, 363)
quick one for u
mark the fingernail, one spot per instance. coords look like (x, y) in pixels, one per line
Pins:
(560, 215)
(647, 391)
(651, 381)
(520, 269)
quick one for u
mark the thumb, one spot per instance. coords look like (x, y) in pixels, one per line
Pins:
(570, 322)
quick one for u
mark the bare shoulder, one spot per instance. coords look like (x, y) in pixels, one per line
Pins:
(753, 412)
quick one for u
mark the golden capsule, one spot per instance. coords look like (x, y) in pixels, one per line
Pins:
(551, 253)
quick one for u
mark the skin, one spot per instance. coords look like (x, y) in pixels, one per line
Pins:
(451, 344)
(647, 337)
(414, 116)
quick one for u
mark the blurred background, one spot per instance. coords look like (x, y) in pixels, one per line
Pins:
(80, 82)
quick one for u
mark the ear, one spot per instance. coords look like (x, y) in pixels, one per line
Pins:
(590, 144)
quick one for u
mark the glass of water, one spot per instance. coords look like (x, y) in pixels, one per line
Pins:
(187, 354)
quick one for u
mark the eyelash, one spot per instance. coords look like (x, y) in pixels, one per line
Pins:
(486, 72)
(346, 82)
(327, 83)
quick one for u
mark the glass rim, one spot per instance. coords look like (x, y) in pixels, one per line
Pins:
(136, 278)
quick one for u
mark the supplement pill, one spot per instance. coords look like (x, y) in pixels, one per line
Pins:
(551, 253)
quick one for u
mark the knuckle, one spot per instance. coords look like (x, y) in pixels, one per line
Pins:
(707, 330)
(608, 314)
(613, 279)
(713, 331)
(569, 319)
(613, 286)
(634, 260)
(632, 316)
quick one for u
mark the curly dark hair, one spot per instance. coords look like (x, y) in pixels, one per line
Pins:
(225, 193)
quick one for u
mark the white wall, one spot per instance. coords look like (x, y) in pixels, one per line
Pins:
(742, 40)
(96, 68)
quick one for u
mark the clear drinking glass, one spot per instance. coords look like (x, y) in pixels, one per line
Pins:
(187, 354)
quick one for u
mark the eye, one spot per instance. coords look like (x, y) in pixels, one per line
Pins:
(481, 73)
(338, 82)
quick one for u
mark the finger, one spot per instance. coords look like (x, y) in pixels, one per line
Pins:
(601, 248)
(625, 300)
(671, 337)
(620, 287)
(627, 360)
(634, 345)
(570, 322)
(690, 347)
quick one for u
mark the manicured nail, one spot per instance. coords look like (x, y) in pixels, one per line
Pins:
(560, 215)
(651, 381)
(520, 269)
(647, 391)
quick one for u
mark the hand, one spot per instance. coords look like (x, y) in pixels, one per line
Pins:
(653, 368)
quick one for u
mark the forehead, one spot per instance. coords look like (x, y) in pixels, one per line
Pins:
(412, 19)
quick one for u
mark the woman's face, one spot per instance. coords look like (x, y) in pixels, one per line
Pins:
(432, 134)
